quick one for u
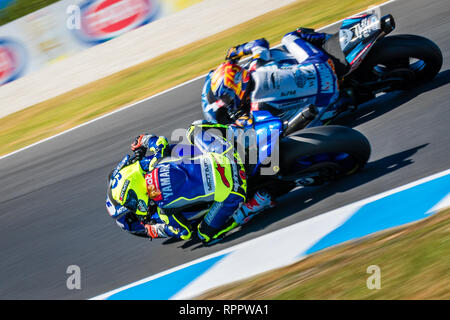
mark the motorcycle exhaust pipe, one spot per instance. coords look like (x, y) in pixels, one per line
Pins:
(300, 120)
(387, 23)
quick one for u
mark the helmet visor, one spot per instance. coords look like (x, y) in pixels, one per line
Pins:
(228, 97)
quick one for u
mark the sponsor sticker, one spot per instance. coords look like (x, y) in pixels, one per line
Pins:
(235, 175)
(299, 79)
(165, 184)
(110, 207)
(365, 27)
(221, 170)
(305, 77)
(207, 175)
(326, 78)
(345, 37)
(242, 175)
(142, 206)
(151, 179)
(124, 189)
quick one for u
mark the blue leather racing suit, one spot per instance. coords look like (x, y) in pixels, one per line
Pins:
(296, 76)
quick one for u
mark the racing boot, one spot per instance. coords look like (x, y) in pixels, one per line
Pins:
(210, 236)
(260, 202)
(162, 230)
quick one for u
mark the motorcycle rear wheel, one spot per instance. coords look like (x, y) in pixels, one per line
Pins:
(413, 58)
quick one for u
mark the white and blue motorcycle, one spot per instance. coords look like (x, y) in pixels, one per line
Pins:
(369, 63)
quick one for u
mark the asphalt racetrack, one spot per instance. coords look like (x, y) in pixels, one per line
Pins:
(52, 195)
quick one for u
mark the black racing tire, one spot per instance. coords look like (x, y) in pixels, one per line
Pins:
(323, 140)
(392, 49)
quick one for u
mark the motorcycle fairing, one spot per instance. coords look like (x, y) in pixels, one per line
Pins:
(282, 87)
(268, 129)
(357, 35)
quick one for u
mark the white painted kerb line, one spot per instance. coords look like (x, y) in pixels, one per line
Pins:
(334, 218)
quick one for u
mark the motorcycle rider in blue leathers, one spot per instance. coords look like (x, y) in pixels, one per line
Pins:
(305, 76)
(157, 193)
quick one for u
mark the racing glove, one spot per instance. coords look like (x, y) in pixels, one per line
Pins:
(140, 145)
(233, 53)
(253, 47)
(155, 231)
(309, 35)
(162, 230)
(155, 144)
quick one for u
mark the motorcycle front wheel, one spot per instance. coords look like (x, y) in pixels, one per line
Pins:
(330, 152)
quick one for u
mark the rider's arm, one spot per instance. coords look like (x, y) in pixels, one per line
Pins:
(309, 35)
(259, 48)
(158, 146)
(304, 45)
(210, 104)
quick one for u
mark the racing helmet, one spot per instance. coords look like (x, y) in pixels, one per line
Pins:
(127, 187)
(230, 83)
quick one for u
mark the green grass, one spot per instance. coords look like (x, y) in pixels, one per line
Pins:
(20, 8)
(414, 263)
(100, 97)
